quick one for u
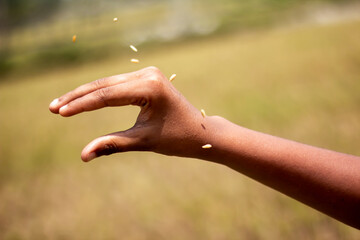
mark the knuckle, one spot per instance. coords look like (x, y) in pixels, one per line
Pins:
(154, 82)
(154, 74)
(99, 82)
(103, 95)
(142, 102)
(109, 148)
(152, 69)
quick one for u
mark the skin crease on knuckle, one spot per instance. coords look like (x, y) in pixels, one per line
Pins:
(103, 95)
(142, 102)
(109, 148)
(99, 82)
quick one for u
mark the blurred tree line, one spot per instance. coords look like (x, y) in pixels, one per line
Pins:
(36, 33)
(17, 13)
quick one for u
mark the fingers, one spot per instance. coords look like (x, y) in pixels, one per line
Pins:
(128, 93)
(151, 76)
(112, 143)
(88, 88)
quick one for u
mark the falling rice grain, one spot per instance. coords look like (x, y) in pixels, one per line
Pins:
(115, 19)
(133, 48)
(203, 112)
(207, 146)
(134, 60)
(172, 77)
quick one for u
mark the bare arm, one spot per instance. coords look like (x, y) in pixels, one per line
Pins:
(168, 124)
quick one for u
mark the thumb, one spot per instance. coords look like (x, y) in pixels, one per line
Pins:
(111, 143)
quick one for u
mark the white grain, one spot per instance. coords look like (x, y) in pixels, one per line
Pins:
(172, 77)
(134, 60)
(207, 146)
(133, 48)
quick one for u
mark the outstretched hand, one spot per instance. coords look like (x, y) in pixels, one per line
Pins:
(167, 122)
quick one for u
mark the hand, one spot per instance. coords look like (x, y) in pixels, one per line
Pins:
(167, 122)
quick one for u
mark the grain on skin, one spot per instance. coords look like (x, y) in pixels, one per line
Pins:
(172, 77)
(206, 146)
(134, 60)
(203, 112)
(133, 48)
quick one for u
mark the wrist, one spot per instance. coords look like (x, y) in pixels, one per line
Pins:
(222, 135)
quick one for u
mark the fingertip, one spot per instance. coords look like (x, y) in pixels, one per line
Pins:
(53, 106)
(101, 146)
(88, 157)
(91, 156)
(53, 110)
(54, 102)
(89, 152)
(63, 111)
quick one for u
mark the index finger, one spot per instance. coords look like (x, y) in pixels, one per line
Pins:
(87, 88)
(130, 93)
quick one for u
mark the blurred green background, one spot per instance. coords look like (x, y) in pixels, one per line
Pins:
(290, 68)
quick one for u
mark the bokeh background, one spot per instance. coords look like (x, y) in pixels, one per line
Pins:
(289, 68)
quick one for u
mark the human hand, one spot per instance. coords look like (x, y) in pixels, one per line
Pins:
(167, 122)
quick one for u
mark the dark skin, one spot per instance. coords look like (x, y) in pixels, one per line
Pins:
(168, 124)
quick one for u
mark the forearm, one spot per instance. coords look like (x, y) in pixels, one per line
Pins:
(325, 180)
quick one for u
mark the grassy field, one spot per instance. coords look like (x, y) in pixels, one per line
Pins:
(301, 83)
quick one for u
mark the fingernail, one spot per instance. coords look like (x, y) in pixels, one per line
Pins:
(54, 102)
(91, 156)
(63, 108)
